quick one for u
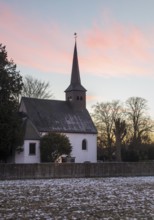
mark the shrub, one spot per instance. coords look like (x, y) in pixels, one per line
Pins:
(53, 145)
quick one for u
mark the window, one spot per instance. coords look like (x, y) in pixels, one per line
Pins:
(32, 148)
(69, 98)
(79, 98)
(84, 144)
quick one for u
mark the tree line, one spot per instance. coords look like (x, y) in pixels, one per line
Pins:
(124, 130)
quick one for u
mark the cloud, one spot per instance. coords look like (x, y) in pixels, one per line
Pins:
(118, 50)
(108, 48)
(32, 43)
(93, 97)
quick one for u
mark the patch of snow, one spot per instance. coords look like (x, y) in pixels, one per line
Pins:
(100, 198)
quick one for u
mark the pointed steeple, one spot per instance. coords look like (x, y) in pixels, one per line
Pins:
(75, 75)
(76, 92)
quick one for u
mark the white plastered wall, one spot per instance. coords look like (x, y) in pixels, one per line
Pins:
(90, 154)
(81, 156)
(25, 157)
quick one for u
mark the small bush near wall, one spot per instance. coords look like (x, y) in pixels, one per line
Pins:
(53, 145)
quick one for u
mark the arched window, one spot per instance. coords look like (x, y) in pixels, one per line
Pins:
(81, 98)
(77, 97)
(84, 144)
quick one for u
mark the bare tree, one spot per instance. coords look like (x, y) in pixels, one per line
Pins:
(120, 133)
(140, 123)
(35, 88)
(112, 120)
(104, 115)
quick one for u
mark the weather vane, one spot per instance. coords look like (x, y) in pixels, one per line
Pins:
(75, 36)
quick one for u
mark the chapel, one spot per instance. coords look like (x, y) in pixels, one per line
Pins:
(69, 116)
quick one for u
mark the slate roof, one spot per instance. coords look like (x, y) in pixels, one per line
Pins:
(57, 116)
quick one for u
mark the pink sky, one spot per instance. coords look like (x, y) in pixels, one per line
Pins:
(115, 44)
(112, 50)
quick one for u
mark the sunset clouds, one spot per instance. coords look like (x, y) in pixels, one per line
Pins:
(120, 50)
(107, 48)
(32, 43)
(115, 45)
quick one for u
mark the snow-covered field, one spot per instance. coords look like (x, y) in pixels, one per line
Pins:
(103, 198)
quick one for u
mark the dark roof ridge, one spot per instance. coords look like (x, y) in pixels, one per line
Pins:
(28, 98)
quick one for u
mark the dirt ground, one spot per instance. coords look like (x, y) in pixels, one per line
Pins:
(62, 199)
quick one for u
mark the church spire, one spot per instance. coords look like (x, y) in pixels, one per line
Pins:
(76, 92)
(75, 75)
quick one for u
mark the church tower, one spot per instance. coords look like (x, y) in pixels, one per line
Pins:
(76, 93)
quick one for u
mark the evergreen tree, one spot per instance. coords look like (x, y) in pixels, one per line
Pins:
(10, 89)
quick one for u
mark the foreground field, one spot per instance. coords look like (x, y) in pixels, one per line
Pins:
(62, 199)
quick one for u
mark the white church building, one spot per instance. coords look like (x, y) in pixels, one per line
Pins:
(69, 117)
